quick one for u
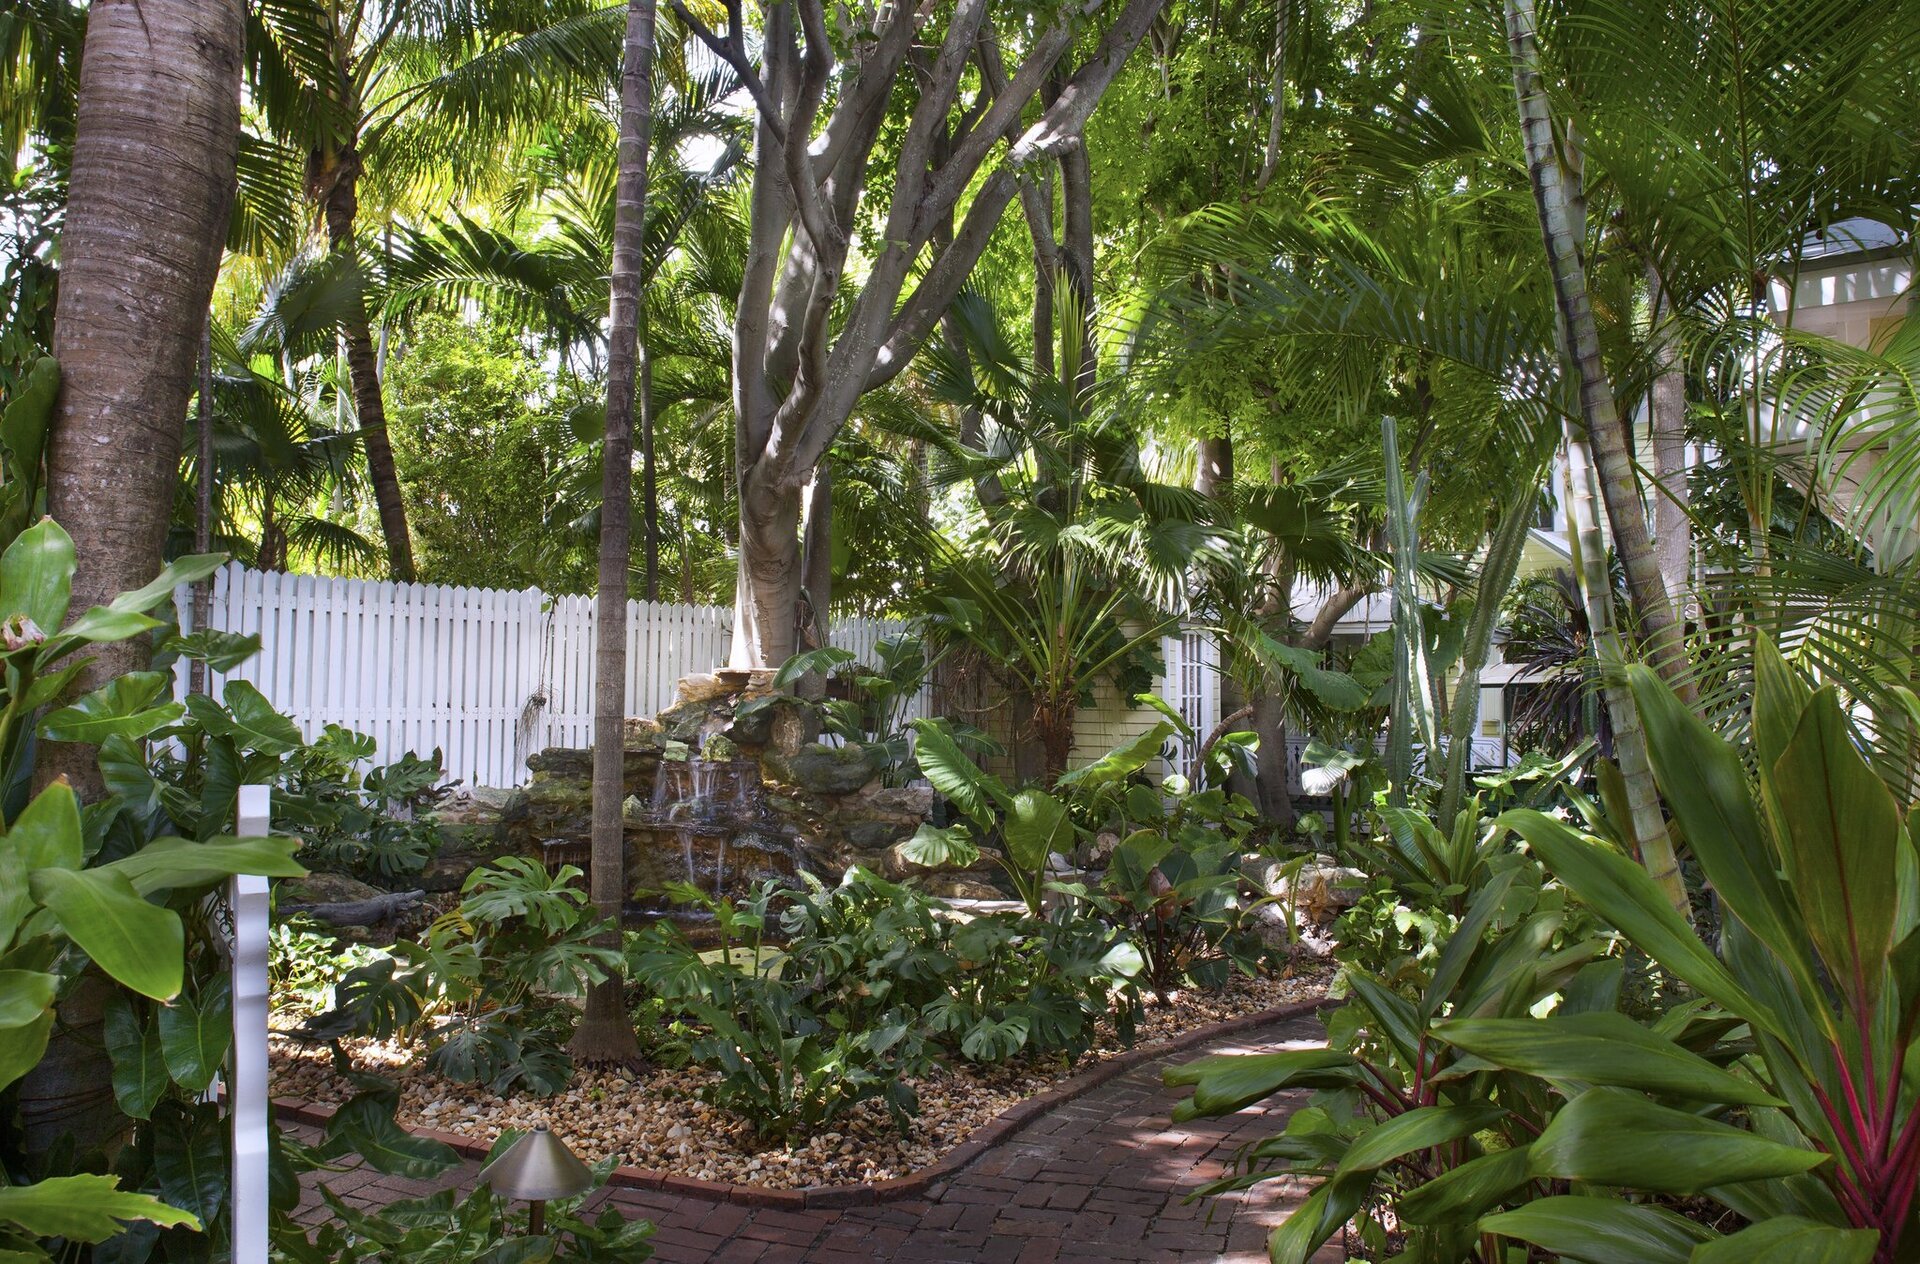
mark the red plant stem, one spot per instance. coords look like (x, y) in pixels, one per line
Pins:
(1890, 1100)
(1837, 1122)
(1858, 1211)
(1853, 1094)
(1386, 1103)
(1399, 1101)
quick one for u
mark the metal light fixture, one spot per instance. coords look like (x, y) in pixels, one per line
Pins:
(534, 1169)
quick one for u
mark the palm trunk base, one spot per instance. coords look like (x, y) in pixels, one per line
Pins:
(604, 1035)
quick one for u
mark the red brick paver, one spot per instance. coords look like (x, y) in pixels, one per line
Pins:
(1102, 1178)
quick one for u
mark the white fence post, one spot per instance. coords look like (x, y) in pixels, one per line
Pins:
(248, 1104)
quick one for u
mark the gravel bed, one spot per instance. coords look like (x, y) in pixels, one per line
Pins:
(656, 1120)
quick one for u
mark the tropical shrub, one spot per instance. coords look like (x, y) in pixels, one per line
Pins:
(786, 1062)
(1020, 828)
(1408, 1135)
(485, 987)
(1815, 985)
(1173, 883)
(91, 901)
(866, 705)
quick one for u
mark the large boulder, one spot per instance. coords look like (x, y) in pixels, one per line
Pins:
(823, 770)
(325, 888)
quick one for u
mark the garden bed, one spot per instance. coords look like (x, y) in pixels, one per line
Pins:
(655, 1120)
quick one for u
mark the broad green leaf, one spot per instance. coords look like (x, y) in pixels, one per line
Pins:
(15, 900)
(185, 570)
(123, 766)
(190, 1160)
(1333, 689)
(84, 1208)
(1780, 698)
(24, 996)
(256, 725)
(141, 945)
(1600, 1230)
(23, 1048)
(47, 834)
(1464, 1192)
(1165, 708)
(173, 862)
(222, 651)
(1705, 785)
(1839, 828)
(1315, 1220)
(101, 624)
(1609, 1136)
(1790, 1240)
(1419, 1129)
(365, 1126)
(1464, 943)
(1123, 760)
(195, 1034)
(28, 420)
(1603, 1048)
(1227, 1083)
(122, 708)
(139, 1068)
(36, 576)
(822, 660)
(953, 775)
(1621, 892)
(936, 847)
(1036, 825)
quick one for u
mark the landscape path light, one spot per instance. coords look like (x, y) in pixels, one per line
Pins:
(536, 1168)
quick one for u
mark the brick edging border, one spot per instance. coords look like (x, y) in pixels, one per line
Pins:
(867, 1193)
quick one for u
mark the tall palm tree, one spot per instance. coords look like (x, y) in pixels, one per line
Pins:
(605, 1034)
(1083, 563)
(391, 93)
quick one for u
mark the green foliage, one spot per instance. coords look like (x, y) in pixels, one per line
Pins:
(867, 705)
(97, 889)
(477, 435)
(787, 1062)
(1173, 883)
(1404, 1128)
(484, 988)
(872, 982)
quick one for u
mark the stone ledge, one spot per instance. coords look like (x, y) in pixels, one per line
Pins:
(868, 1193)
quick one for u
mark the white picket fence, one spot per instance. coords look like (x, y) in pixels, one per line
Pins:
(485, 676)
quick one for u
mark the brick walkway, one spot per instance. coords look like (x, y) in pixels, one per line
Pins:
(1101, 1178)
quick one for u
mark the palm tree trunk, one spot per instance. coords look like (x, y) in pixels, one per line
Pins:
(1667, 417)
(605, 1033)
(156, 135)
(1605, 463)
(1563, 229)
(152, 185)
(338, 180)
(203, 498)
(649, 474)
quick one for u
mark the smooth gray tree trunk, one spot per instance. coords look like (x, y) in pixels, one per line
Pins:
(605, 1032)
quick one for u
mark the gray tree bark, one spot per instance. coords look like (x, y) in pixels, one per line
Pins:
(804, 350)
(605, 1033)
(1667, 417)
(1599, 463)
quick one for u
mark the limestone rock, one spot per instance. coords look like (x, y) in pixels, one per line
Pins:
(326, 888)
(823, 770)
(703, 687)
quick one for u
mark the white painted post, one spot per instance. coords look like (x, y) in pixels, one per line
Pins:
(248, 1106)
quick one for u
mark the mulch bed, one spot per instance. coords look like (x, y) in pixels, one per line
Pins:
(654, 1121)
